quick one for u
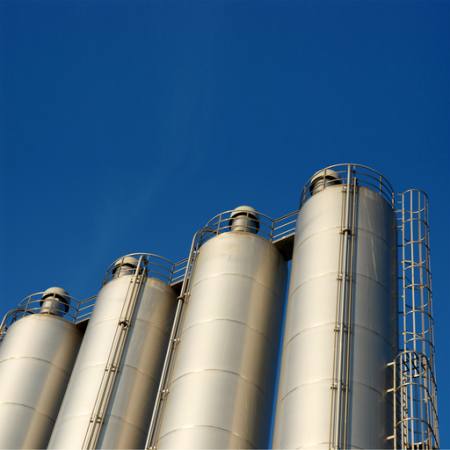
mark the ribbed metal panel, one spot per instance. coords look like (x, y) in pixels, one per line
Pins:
(36, 359)
(340, 330)
(220, 389)
(133, 382)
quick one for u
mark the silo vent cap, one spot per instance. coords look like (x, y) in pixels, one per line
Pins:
(244, 218)
(323, 178)
(126, 261)
(55, 301)
(56, 292)
(244, 210)
(328, 174)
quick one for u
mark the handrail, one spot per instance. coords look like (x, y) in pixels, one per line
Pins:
(258, 223)
(172, 273)
(155, 266)
(81, 310)
(31, 304)
(339, 174)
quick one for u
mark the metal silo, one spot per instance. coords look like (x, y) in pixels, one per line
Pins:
(37, 354)
(218, 392)
(110, 396)
(340, 332)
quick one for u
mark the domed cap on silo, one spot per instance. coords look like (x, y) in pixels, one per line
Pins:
(125, 266)
(322, 179)
(55, 300)
(244, 218)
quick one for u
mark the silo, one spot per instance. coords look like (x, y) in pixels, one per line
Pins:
(220, 387)
(36, 358)
(110, 396)
(340, 330)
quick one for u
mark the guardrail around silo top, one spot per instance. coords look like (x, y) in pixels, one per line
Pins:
(179, 270)
(69, 309)
(85, 308)
(285, 226)
(154, 266)
(280, 231)
(258, 223)
(79, 311)
(347, 174)
(8, 319)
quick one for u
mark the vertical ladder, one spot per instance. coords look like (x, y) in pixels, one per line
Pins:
(340, 388)
(416, 424)
(173, 341)
(115, 357)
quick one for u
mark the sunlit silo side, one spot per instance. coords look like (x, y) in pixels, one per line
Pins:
(110, 396)
(340, 331)
(220, 388)
(36, 358)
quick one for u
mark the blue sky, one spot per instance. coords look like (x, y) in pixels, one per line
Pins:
(126, 125)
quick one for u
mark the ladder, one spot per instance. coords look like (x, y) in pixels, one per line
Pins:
(173, 341)
(340, 388)
(115, 357)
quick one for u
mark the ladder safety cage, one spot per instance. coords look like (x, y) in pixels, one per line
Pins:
(415, 417)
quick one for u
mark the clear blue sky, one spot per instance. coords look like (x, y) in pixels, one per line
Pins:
(126, 125)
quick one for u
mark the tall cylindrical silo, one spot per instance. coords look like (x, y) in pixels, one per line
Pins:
(340, 330)
(110, 396)
(220, 388)
(36, 358)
